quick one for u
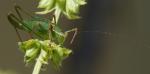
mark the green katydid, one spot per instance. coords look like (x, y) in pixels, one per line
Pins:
(40, 27)
(47, 32)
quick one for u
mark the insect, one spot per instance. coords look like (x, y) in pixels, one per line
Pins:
(37, 26)
(44, 30)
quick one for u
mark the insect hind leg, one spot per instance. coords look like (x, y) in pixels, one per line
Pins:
(18, 9)
(14, 21)
(75, 30)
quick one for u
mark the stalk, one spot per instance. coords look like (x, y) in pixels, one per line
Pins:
(38, 64)
(57, 15)
(54, 20)
(37, 67)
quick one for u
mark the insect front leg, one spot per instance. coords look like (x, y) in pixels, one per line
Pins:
(75, 30)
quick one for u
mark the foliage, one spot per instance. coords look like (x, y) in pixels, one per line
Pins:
(69, 7)
(33, 47)
(47, 38)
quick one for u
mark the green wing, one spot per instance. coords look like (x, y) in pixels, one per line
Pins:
(38, 26)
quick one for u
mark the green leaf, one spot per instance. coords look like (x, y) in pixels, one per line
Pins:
(31, 55)
(26, 45)
(81, 2)
(48, 4)
(31, 48)
(58, 55)
(61, 4)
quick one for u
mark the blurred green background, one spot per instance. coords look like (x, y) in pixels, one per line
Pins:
(113, 38)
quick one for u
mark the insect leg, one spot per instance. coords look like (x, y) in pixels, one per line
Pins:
(49, 31)
(75, 30)
(54, 20)
(18, 9)
(19, 24)
(51, 27)
(15, 23)
(31, 35)
(18, 34)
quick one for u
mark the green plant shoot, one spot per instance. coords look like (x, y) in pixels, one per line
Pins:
(49, 44)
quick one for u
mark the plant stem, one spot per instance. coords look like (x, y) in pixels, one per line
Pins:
(37, 67)
(57, 15)
(38, 64)
(54, 20)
